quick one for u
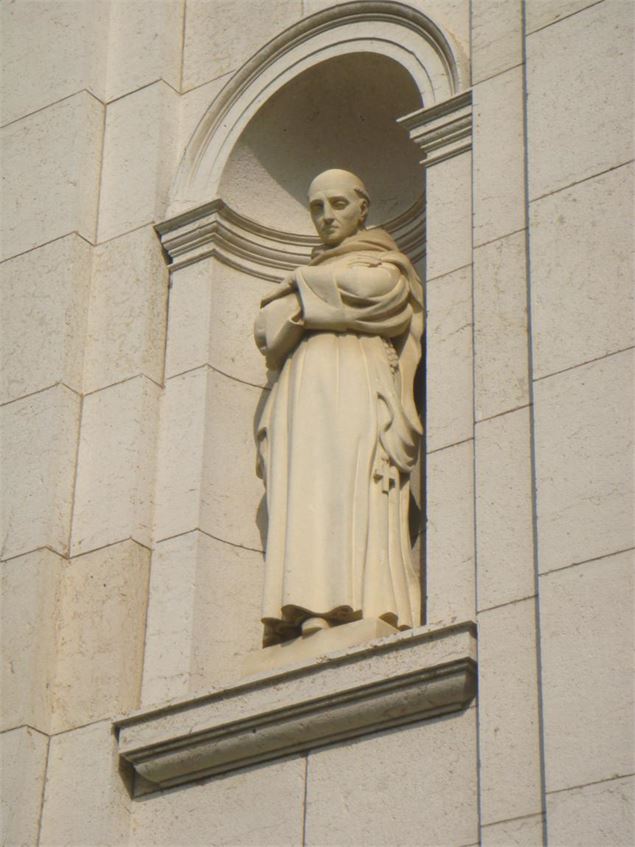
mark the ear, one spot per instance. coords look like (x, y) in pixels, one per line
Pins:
(363, 204)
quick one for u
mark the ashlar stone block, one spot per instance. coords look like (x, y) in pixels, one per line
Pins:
(499, 156)
(449, 215)
(44, 304)
(509, 730)
(115, 469)
(85, 799)
(100, 625)
(39, 446)
(591, 109)
(599, 815)
(542, 13)
(521, 832)
(497, 37)
(449, 407)
(127, 316)
(582, 241)
(584, 430)
(414, 785)
(50, 172)
(220, 35)
(504, 531)
(588, 640)
(501, 334)
(139, 159)
(23, 759)
(30, 591)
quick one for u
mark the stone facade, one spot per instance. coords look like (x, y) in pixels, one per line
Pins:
(139, 138)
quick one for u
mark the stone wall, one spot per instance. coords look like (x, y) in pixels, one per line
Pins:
(130, 506)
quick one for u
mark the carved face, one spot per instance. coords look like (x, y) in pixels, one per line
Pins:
(337, 211)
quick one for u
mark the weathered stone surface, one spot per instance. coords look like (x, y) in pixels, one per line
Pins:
(598, 815)
(587, 638)
(497, 37)
(500, 309)
(584, 434)
(51, 51)
(39, 445)
(509, 740)
(127, 316)
(220, 35)
(541, 13)
(139, 159)
(23, 758)
(195, 636)
(30, 590)
(261, 805)
(100, 624)
(504, 531)
(44, 307)
(499, 156)
(115, 468)
(581, 272)
(590, 111)
(52, 158)
(193, 105)
(432, 805)
(448, 219)
(450, 534)
(449, 409)
(522, 832)
(85, 799)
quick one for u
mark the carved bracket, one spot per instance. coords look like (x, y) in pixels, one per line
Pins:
(404, 678)
(442, 131)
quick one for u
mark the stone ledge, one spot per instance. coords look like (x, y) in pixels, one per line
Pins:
(400, 679)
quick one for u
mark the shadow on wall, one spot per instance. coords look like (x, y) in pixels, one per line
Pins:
(341, 113)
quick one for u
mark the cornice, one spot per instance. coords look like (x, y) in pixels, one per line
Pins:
(215, 229)
(397, 680)
(443, 130)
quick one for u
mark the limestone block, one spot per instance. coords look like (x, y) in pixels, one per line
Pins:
(449, 215)
(497, 37)
(509, 730)
(499, 156)
(145, 44)
(23, 759)
(500, 309)
(586, 615)
(598, 815)
(50, 167)
(44, 304)
(50, 51)
(591, 109)
(424, 775)
(449, 404)
(211, 319)
(140, 145)
(581, 271)
(195, 636)
(30, 588)
(39, 445)
(220, 35)
(101, 626)
(260, 805)
(541, 13)
(193, 106)
(584, 431)
(522, 832)
(115, 469)
(450, 535)
(127, 316)
(504, 532)
(85, 800)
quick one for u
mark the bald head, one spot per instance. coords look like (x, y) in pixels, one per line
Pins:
(338, 202)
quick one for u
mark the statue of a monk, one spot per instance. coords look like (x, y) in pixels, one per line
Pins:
(339, 433)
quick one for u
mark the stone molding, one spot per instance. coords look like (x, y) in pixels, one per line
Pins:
(215, 229)
(408, 677)
(442, 131)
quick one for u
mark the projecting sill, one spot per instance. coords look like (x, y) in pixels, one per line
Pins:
(410, 676)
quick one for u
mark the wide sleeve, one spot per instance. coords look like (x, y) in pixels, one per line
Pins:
(278, 328)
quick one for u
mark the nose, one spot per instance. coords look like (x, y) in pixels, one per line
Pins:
(328, 214)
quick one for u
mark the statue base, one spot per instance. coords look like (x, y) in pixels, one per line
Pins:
(314, 646)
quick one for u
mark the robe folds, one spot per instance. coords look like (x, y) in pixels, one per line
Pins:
(338, 437)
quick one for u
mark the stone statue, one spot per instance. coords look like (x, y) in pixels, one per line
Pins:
(339, 433)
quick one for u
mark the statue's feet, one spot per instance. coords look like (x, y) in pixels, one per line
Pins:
(312, 625)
